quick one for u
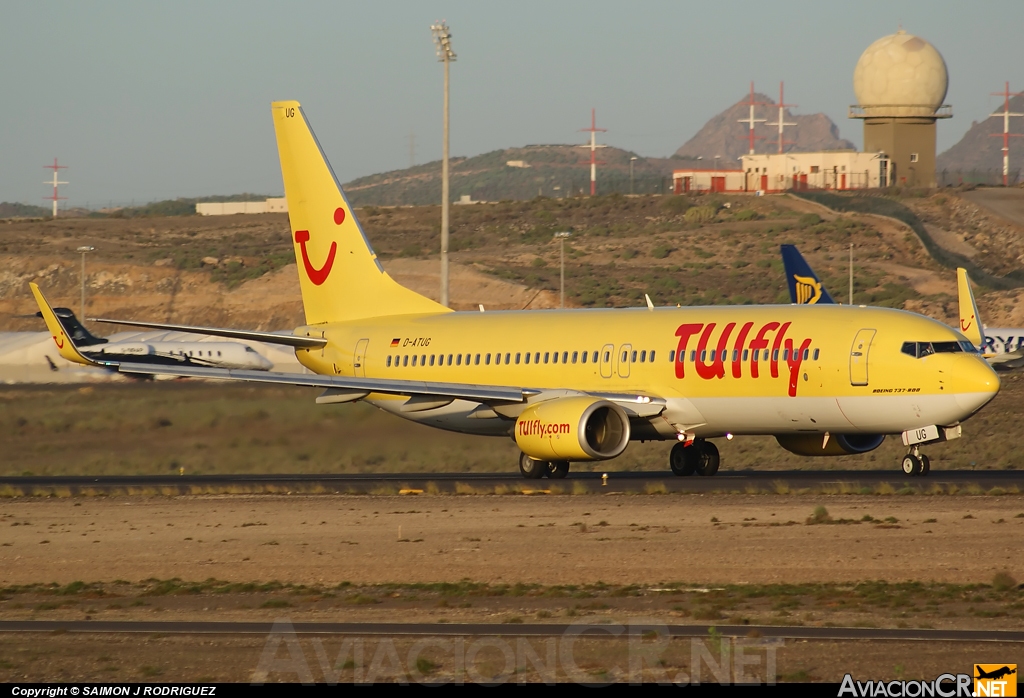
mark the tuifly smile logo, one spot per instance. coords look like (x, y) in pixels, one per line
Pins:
(319, 276)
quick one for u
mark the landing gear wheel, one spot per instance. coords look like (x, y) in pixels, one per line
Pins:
(684, 459)
(911, 465)
(558, 469)
(926, 464)
(709, 459)
(532, 469)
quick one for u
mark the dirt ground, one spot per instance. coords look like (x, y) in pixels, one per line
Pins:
(324, 540)
(208, 659)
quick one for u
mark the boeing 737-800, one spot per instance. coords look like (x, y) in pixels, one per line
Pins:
(579, 385)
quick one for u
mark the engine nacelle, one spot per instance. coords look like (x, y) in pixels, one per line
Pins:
(573, 429)
(838, 444)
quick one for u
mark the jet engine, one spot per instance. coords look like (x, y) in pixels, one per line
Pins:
(572, 429)
(837, 444)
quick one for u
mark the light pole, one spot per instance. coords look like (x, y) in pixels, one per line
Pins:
(443, 41)
(561, 254)
(631, 161)
(84, 250)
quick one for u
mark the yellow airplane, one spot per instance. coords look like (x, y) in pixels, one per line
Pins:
(579, 385)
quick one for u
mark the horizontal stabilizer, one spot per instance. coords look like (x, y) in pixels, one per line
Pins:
(251, 335)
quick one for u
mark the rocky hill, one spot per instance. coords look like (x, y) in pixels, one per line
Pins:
(514, 173)
(725, 136)
(978, 151)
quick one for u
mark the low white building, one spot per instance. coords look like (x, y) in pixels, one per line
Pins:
(701, 181)
(228, 208)
(827, 169)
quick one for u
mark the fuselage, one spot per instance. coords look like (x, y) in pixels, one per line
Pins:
(214, 354)
(736, 370)
(999, 340)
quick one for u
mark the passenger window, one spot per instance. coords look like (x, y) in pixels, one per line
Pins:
(775, 354)
(497, 359)
(625, 355)
(643, 356)
(633, 357)
(487, 360)
(507, 355)
(575, 355)
(431, 359)
(389, 361)
(423, 360)
(806, 352)
(458, 360)
(607, 356)
(517, 358)
(584, 357)
(693, 356)
(595, 357)
(815, 354)
(671, 355)
(785, 355)
(536, 358)
(766, 354)
(565, 357)
(476, 362)
(527, 357)
(746, 353)
(449, 359)
(218, 352)
(735, 354)
(703, 355)
(554, 357)
(546, 356)
(652, 356)
(405, 360)
(413, 359)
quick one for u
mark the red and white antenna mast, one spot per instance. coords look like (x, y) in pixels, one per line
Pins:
(782, 123)
(594, 162)
(751, 120)
(55, 182)
(1006, 114)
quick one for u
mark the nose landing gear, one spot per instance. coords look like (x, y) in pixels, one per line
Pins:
(916, 463)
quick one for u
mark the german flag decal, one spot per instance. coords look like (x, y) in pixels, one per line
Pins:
(394, 342)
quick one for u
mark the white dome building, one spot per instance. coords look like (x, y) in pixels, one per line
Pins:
(900, 82)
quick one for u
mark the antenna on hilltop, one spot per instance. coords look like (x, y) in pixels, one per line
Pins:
(593, 150)
(1006, 114)
(781, 123)
(751, 120)
(55, 183)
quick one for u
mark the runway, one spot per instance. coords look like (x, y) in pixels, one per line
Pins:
(745, 481)
(608, 631)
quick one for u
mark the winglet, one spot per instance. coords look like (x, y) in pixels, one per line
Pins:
(804, 286)
(970, 320)
(65, 346)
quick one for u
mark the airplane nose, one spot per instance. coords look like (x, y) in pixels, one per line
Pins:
(977, 383)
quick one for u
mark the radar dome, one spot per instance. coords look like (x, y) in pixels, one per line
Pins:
(900, 75)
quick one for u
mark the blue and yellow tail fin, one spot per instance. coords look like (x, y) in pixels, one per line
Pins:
(804, 286)
(339, 274)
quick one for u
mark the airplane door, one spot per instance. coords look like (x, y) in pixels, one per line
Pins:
(359, 359)
(606, 360)
(623, 358)
(859, 357)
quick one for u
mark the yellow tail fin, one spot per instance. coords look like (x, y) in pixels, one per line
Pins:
(65, 347)
(339, 274)
(970, 320)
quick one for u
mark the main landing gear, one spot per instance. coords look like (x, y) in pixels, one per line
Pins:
(536, 469)
(915, 462)
(700, 457)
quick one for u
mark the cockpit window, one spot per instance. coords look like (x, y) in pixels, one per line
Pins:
(923, 349)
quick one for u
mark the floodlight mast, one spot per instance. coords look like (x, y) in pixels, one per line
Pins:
(445, 54)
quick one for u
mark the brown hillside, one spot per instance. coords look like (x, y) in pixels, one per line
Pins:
(724, 135)
(978, 150)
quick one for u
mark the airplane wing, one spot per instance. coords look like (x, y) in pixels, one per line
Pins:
(1008, 361)
(268, 337)
(339, 388)
(804, 285)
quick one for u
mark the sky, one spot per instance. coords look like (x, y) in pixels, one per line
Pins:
(149, 101)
